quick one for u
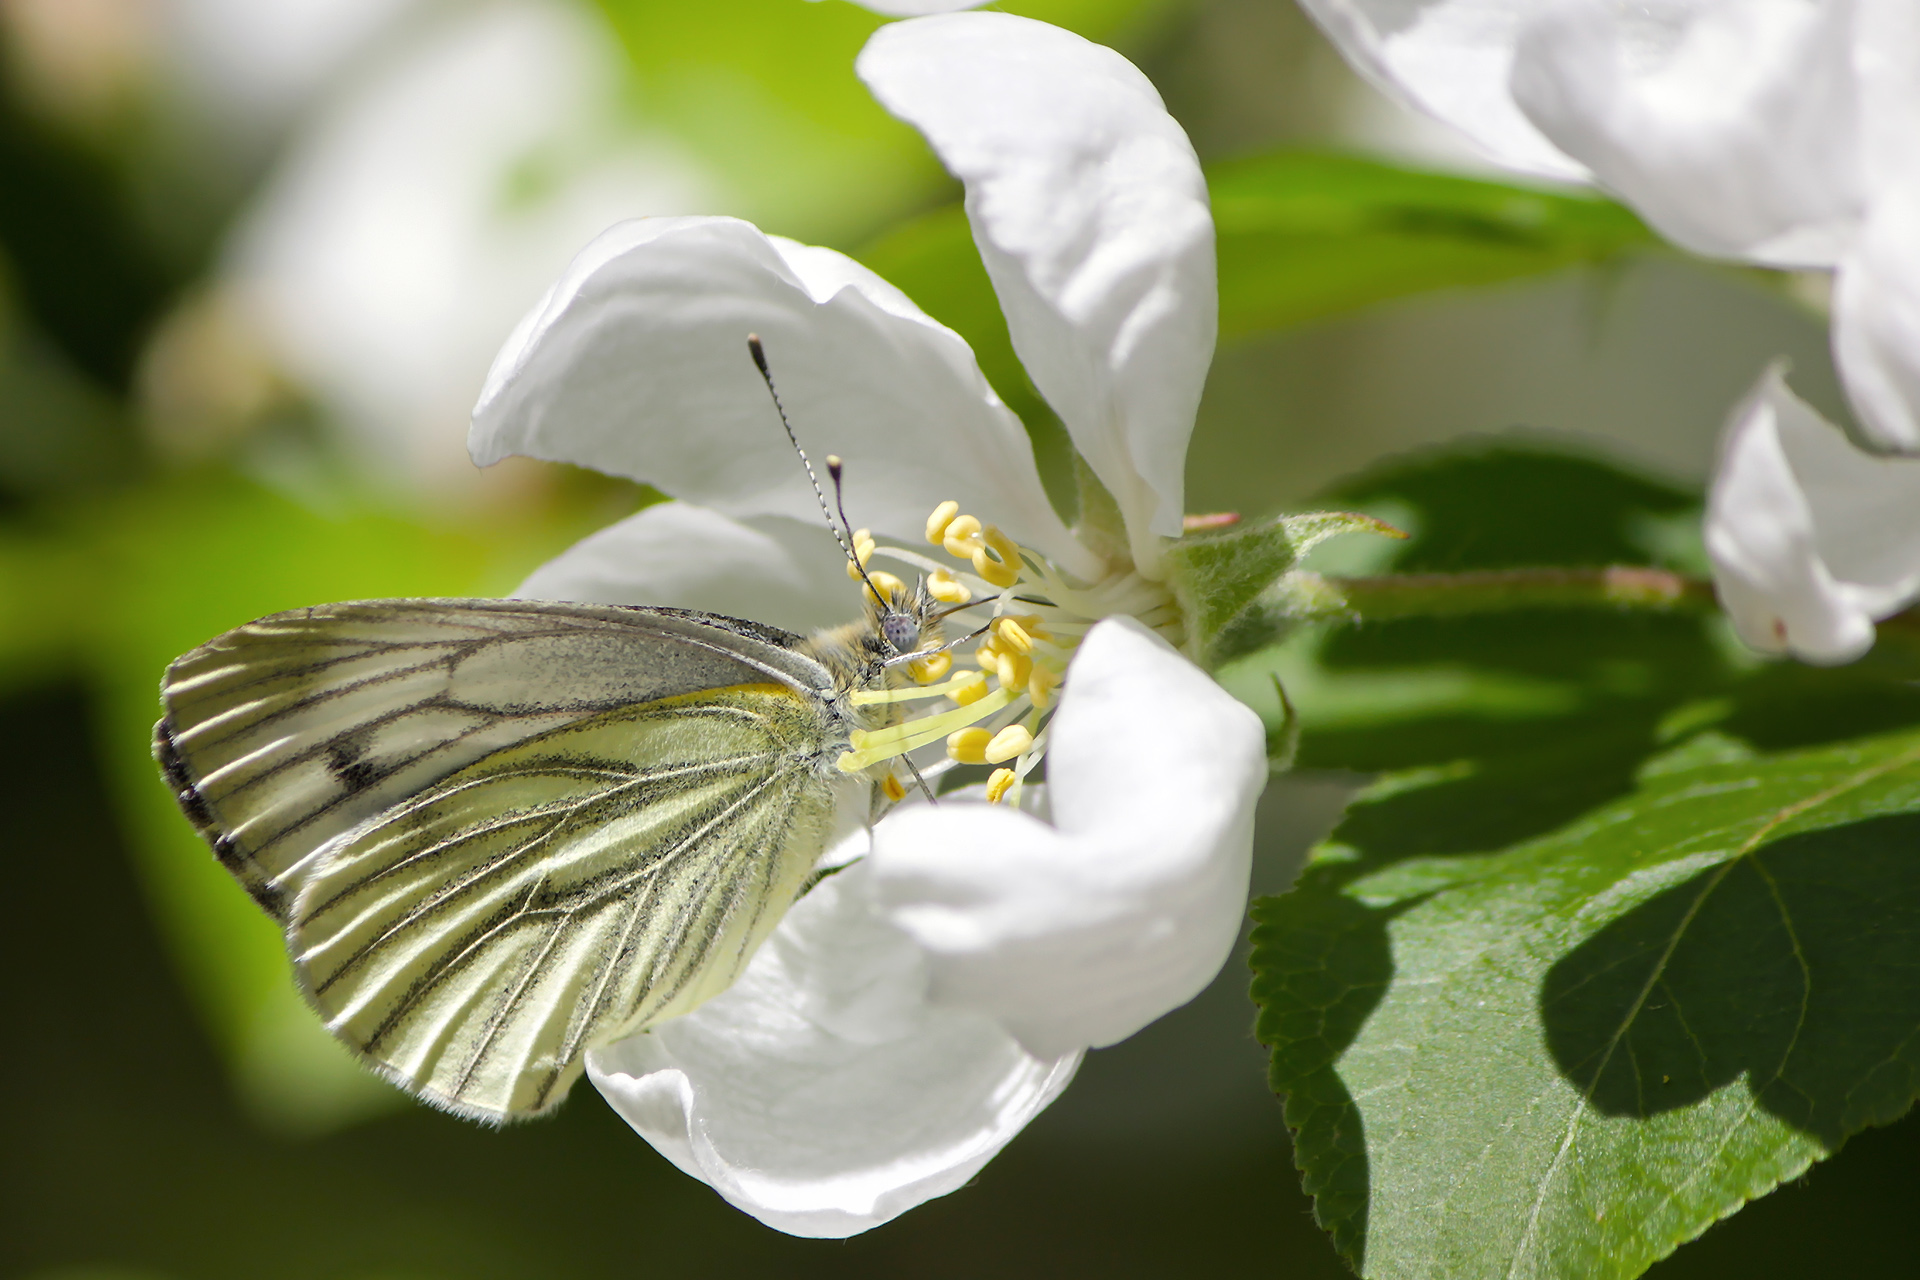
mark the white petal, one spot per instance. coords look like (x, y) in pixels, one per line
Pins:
(1876, 313)
(822, 1094)
(769, 568)
(1886, 56)
(1081, 932)
(1088, 206)
(636, 364)
(1450, 59)
(917, 8)
(1812, 540)
(1876, 321)
(1737, 139)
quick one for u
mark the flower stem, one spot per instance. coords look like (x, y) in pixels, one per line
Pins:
(1409, 595)
(1624, 588)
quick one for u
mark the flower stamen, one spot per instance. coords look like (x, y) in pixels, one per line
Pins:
(1011, 741)
(997, 559)
(937, 522)
(1025, 653)
(946, 588)
(953, 688)
(1010, 637)
(871, 746)
(969, 745)
(962, 537)
(932, 667)
(863, 545)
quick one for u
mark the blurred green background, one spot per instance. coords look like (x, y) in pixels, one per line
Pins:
(254, 260)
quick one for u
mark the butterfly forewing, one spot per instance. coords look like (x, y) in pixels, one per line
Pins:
(476, 940)
(283, 734)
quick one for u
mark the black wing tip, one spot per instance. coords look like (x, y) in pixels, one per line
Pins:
(179, 778)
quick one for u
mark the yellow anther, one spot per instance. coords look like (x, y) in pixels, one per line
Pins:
(1041, 683)
(968, 689)
(1014, 670)
(962, 537)
(931, 668)
(891, 788)
(988, 657)
(999, 782)
(946, 588)
(970, 745)
(1002, 571)
(937, 522)
(863, 545)
(885, 585)
(1011, 741)
(1010, 637)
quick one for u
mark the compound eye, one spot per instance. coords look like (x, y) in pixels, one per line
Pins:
(901, 631)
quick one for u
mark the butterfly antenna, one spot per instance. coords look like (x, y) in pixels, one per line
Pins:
(766, 375)
(842, 532)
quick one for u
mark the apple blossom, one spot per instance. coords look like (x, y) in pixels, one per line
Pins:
(400, 235)
(1777, 132)
(921, 1004)
(1812, 540)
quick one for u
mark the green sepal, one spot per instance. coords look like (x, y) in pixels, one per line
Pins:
(1236, 587)
(1283, 739)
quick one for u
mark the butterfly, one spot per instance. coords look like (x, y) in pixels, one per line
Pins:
(497, 833)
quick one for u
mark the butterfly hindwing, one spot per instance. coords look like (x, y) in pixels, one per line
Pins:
(282, 734)
(477, 939)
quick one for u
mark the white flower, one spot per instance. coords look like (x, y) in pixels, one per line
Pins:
(916, 1009)
(250, 65)
(425, 208)
(1779, 132)
(1812, 540)
(917, 8)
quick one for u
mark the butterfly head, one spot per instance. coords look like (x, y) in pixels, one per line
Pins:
(906, 619)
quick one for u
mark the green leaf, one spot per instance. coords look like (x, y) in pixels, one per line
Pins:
(1306, 235)
(1571, 797)
(1569, 1056)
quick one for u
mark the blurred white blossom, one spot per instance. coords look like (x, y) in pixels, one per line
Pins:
(424, 209)
(1779, 132)
(249, 65)
(917, 8)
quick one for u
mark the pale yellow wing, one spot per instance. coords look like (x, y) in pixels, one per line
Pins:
(475, 941)
(282, 734)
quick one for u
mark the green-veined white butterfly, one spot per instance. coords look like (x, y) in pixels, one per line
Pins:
(500, 832)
